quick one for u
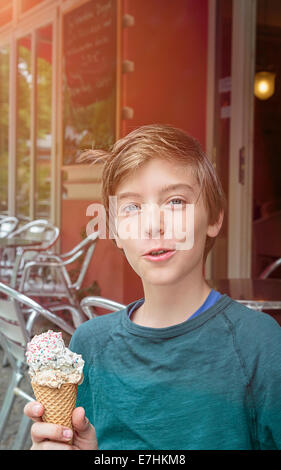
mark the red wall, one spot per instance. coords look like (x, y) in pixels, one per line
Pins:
(168, 45)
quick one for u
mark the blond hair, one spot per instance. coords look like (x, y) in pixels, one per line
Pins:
(161, 141)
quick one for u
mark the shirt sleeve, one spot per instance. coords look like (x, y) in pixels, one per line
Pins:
(266, 383)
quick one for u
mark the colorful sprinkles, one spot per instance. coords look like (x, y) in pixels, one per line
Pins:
(44, 347)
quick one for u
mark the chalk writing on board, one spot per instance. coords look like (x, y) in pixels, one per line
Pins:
(90, 51)
(89, 77)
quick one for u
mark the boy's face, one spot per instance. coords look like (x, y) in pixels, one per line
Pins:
(152, 215)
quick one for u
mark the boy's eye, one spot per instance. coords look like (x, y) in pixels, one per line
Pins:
(176, 203)
(130, 208)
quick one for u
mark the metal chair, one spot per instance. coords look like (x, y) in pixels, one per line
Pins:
(89, 303)
(3, 215)
(13, 259)
(15, 333)
(47, 275)
(7, 226)
(39, 229)
(269, 269)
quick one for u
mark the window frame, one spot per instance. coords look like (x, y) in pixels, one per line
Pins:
(48, 11)
(28, 24)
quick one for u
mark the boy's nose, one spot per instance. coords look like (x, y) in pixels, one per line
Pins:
(152, 221)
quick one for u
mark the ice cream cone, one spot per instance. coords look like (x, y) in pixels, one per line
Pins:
(58, 403)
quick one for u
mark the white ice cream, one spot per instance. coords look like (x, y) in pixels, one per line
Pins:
(51, 363)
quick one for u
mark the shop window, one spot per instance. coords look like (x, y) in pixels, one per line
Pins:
(6, 11)
(4, 127)
(34, 125)
(89, 78)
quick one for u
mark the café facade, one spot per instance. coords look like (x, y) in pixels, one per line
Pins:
(81, 73)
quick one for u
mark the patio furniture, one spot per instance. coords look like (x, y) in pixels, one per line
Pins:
(258, 294)
(89, 303)
(47, 275)
(9, 267)
(266, 241)
(17, 315)
(17, 242)
(7, 226)
(269, 269)
(39, 236)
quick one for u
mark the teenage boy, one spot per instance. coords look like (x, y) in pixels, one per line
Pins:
(185, 367)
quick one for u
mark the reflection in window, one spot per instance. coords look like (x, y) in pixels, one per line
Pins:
(4, 127)
(44, 116)
(23, 141)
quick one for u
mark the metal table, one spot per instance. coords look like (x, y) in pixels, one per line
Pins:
(259, 294)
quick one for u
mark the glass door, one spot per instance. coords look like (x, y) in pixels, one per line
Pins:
(230, 130)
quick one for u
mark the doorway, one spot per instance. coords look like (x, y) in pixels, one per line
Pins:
(267, 141)
(230, 112)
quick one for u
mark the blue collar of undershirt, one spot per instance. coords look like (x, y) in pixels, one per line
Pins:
(211, 300)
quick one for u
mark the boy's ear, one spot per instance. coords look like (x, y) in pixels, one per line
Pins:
(213, 230)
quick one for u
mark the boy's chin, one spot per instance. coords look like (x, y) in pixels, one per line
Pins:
(160, 280)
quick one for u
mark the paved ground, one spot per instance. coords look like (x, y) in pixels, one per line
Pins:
(17, 411)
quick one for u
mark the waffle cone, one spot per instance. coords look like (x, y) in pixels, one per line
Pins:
(58, 403)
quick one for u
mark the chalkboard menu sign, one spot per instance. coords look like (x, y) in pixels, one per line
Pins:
(89, 77)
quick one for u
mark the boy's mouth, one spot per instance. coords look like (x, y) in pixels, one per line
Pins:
(160, 254)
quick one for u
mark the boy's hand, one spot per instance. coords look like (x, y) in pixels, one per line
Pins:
(48, 436)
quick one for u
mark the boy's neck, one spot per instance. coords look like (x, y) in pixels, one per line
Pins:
(166, 306)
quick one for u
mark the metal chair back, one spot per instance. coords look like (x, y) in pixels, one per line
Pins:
(47, 275)
(269, 269)
(89, 303)
(13, 260)
(57, 283)
(86, 248)
(7, 226)
(38, 230)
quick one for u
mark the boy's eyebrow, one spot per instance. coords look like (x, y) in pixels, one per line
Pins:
(163, 190)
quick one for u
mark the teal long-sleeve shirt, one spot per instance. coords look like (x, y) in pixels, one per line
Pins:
(211, 382)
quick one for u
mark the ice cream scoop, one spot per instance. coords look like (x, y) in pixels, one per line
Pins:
(51, 363)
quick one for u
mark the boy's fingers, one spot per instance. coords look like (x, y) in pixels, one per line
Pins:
(34, 410)
(84, 433)
(80, 423)
(54, 432)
